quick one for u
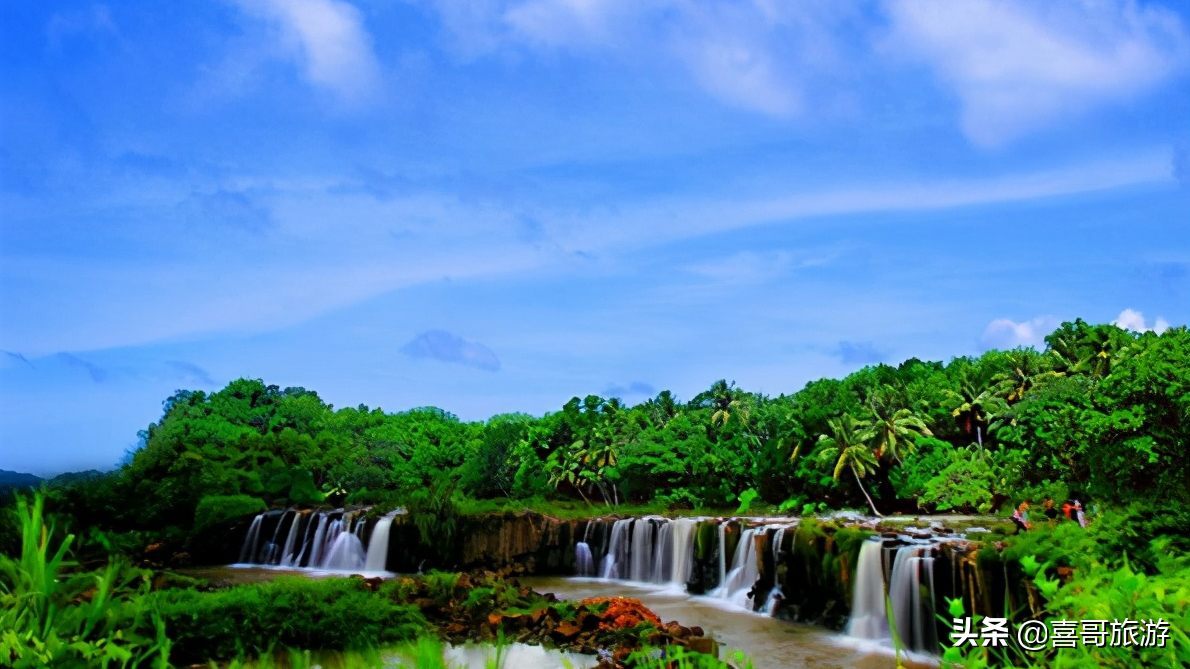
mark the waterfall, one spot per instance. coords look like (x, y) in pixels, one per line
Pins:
(378, 545)
(272, 549)
(347, 553)
(683, 550)
(745, 569)
(615, 564)
(315, 545)
(248, 552)
(722, 552)
(642, 550)
(663, 553)
(868, 618)
(914, 614)
(290, 538)
(584, 564)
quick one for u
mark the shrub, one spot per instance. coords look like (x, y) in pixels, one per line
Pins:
(333, 613)
(214, 510)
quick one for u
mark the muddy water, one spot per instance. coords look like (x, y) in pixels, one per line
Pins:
(770, 643)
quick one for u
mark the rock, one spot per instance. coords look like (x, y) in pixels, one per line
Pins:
(704, 645)
(565, 632)
(455, 629)
(587, 620)
(697, 631)
(676, 631)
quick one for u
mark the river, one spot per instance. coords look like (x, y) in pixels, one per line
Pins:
(770, 643)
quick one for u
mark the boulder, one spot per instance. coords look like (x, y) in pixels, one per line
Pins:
(565, 632)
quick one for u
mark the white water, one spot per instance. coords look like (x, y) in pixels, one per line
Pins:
(642, 551)
(683, 550)
(913, 614)
(290, 538)
(617, 551)
(347, 553)
(745, 568)
(333, 543)
(722, 552)
(868, 619)
(584, 563)
(663, 553)
(377, 555)
(248, 552)
(315, 545)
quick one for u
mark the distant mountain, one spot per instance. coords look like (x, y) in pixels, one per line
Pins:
(16, 480)
(71, 478)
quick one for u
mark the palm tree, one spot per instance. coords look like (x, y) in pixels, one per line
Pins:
(847, 446)
(1027, 372)
(973, 410)
(889, 426)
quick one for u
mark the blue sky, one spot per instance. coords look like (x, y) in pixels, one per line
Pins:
(493, 206)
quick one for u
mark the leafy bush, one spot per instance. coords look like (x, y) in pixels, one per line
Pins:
(215, 510)
(335, 613)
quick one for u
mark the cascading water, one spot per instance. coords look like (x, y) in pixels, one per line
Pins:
(663, 553)
(291, 537)
(745, 569)
(377, 555)
(868, 618)
(347, 553)
(722, 552)
(913, 613)
(615, 563)
(331, 539)
(584, 563)
(248, 552)
(683, 549)
(641, 557)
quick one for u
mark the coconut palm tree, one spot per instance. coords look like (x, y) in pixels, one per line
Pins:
(1029, 369)
(974, 410)
(892, 429)
(847, 446)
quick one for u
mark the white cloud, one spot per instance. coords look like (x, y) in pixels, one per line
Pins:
(1005, 333)
(328, 39)
(754, 55)
(1018, 66)
(1130, 319)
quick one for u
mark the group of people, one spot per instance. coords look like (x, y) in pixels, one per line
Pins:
(1072, 509)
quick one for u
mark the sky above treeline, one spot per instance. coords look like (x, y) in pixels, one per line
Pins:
(494, 206)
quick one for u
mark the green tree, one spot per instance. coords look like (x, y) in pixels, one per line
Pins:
(847, 447)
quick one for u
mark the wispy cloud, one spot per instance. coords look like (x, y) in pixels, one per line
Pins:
(98, 374)
(233, 209)
(94, 21)
(447, 347)
(16, 357)
(634, 389)
(329, 41)
(858, 352)
(1005, 333)
(753, 55)
(1018, 66)
(190, 372)
(1130, 319)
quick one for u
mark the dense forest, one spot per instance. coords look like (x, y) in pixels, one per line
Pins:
(1102, 414)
